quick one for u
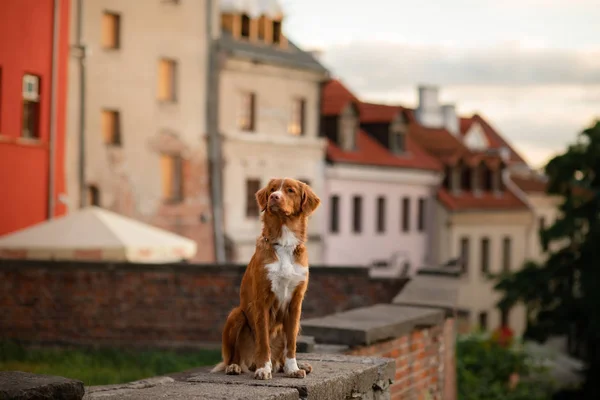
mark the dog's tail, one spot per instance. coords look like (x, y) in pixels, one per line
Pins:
(218, 368)
(234, 325)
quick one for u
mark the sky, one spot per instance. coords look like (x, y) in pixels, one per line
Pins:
(530, 67)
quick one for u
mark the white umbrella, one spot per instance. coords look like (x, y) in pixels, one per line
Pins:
(93, 233)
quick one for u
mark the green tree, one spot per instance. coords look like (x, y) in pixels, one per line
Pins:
(562, 294)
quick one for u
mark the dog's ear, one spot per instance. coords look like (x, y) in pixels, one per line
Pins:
(262, 196)
(310, 201)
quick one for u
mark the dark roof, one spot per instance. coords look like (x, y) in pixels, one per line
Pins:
(292, 56)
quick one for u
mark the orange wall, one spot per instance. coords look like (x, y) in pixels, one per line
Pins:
(26, 47)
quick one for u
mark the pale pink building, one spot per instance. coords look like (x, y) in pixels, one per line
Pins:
(380, 186)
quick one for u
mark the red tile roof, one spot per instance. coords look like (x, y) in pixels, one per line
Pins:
(370, 152)
(335, 98)
(530, 184)
(378, 113)
(439, 143)
(427, 148)
(468, 201)
(496, 141)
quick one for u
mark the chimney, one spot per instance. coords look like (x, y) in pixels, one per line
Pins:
(450, 119)
(429, 112)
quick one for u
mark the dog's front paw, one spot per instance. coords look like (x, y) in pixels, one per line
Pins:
(233, 369)
(300, 374)
(292, 370)
(263, 374)
(303, 365)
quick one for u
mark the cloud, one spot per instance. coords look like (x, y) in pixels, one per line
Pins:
(375, 65)
(538, 98)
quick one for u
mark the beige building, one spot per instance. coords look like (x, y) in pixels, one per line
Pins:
(483, 221)
(269, 118)
(137, 98)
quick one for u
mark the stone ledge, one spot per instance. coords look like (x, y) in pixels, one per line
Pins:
(15, 385)
(433, 291)
(334, 377)
(367, 325)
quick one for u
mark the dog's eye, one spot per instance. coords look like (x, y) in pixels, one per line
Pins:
(290, 190)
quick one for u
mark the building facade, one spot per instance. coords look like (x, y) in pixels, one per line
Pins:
(33, 72)
(482, 221)
(269, 119)
(137, 113)
(380, 185)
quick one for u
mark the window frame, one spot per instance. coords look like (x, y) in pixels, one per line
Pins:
(252, 209)
(116, 26)
(380, 214)
(334, 213)
(357, 206)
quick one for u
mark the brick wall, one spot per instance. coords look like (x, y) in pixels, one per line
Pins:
(425, 365)
(153, 305)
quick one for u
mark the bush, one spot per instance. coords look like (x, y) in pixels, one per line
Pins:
(488, 370)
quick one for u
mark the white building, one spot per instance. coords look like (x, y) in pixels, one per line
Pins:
(269, 118)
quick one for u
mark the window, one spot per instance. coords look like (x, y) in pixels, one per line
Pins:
(397, 142)
(296, 125)
(167, 80)
(245, 26)
(172, 178)
(31, 107)
(93, 196)
(506, 254)
(405, 214)
(111, 30)
(485, 255)
(483, 321)
(111, 127)
(487, 179)
(464, 254)
(276, 31)
(380, 214)
(357, 214)
(465, 178)
(421, 215)
(505, 317)
(252, 186)
(248, 111)
(334, 211)
(447, 177)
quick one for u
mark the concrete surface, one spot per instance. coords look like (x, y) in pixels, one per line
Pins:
(367, 325)
(15, 385)
(334, 377)
(436, 291)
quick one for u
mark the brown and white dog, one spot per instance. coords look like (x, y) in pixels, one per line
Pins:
(260, 334)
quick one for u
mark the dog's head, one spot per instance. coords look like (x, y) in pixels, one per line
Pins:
(287, 197)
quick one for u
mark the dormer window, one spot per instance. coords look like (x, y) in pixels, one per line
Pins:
(348, 128)
(398, 135)
(276, 32)
(245, 28)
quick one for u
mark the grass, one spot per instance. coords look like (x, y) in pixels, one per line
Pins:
(101, 366)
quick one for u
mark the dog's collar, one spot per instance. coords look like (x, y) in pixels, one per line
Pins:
(277, 244)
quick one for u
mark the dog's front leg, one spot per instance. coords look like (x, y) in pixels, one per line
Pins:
(291, 326)
(263, 350)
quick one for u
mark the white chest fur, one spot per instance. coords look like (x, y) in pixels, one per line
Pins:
(284, 273)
